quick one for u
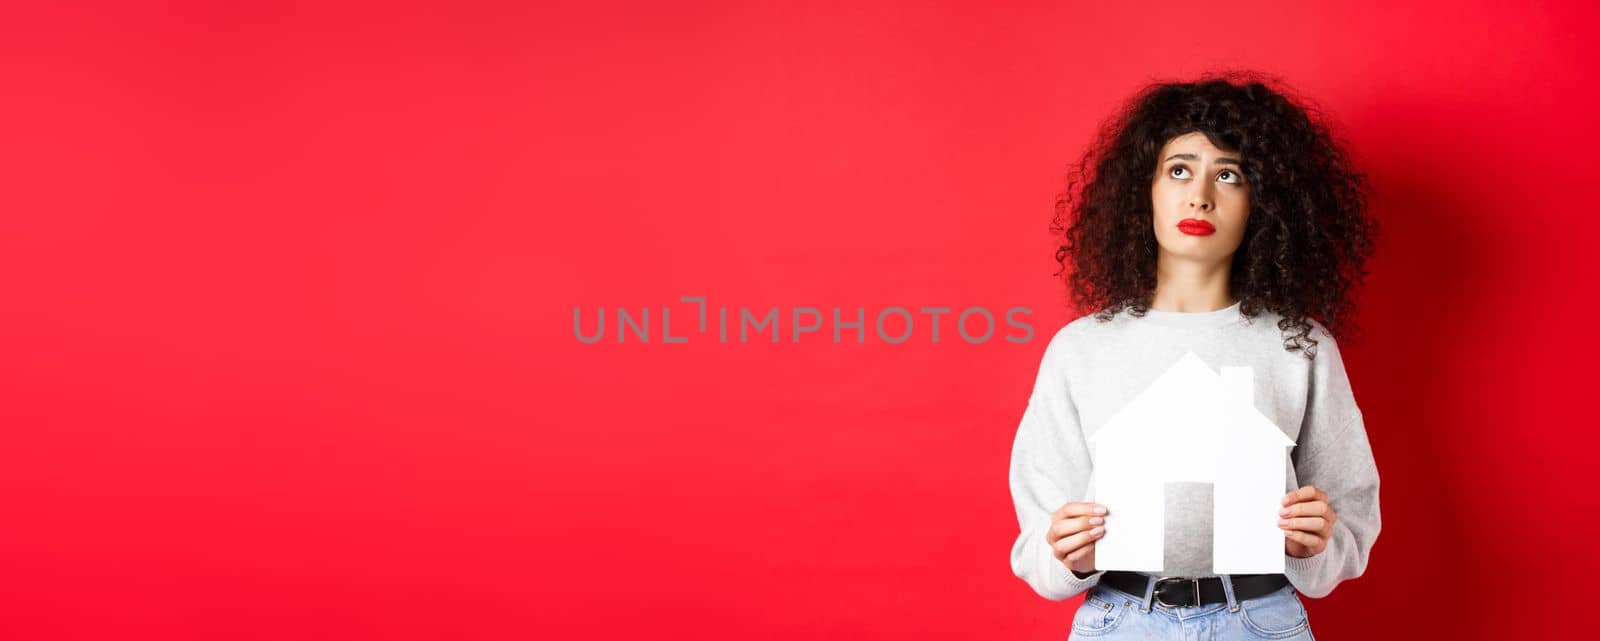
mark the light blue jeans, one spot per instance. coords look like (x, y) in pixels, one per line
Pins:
(1108, 613)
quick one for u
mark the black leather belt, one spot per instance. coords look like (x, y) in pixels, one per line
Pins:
(1181, 593)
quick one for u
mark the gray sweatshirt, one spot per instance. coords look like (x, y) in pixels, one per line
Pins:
(1091, 369)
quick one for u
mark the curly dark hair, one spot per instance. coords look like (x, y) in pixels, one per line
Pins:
(1306, 241)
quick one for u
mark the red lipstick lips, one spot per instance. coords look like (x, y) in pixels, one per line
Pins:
(1196, 227)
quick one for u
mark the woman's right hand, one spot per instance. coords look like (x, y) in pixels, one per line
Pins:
(1073, 530)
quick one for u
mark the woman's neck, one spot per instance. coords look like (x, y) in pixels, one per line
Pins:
(1183, 286)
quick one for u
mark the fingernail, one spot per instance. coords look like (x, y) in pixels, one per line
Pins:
(1096, 520)
(1097, 531)
(1283, 521)
(1100, 510)
(1283, 512)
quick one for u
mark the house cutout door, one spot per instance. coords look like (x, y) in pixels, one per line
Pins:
(1188, 529)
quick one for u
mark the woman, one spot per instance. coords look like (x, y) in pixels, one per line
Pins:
(1216, 217)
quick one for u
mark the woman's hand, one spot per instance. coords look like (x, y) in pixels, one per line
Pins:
(1307, 522)
(1073, 530)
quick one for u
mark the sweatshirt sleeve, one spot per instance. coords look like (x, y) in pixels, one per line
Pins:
(1334, 456)
(1050, 466)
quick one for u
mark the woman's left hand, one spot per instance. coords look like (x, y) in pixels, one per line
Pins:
(1307, 521)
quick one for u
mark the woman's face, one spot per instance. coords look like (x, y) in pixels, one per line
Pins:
(1201, 200)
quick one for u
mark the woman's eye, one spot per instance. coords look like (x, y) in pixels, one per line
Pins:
(1175, 169)
(1233, 180)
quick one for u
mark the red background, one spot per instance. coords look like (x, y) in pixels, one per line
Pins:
(289, 289)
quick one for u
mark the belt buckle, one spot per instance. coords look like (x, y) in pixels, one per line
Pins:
(1194, 584)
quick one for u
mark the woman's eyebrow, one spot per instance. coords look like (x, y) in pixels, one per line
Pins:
(1222, 160)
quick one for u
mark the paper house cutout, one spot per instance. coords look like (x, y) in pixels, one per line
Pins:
(1192, 425)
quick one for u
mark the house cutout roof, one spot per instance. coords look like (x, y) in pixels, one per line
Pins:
(1191, 401)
